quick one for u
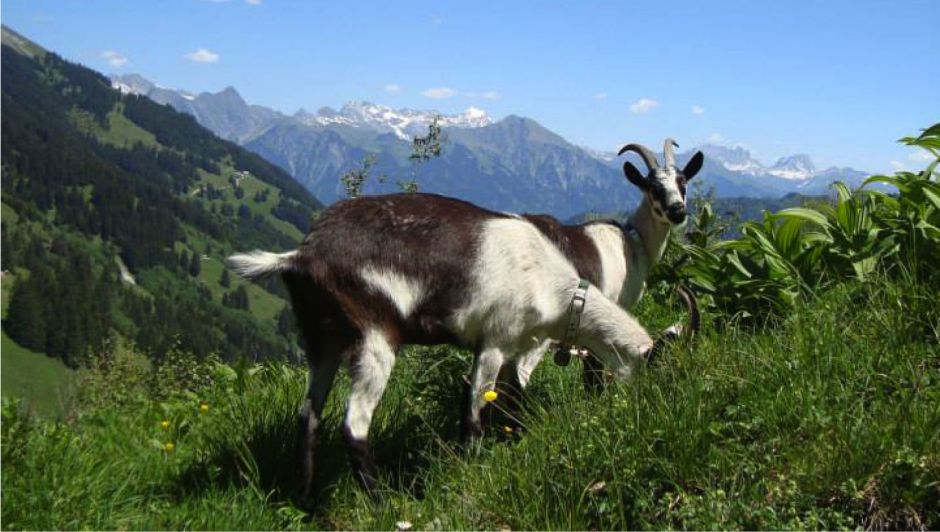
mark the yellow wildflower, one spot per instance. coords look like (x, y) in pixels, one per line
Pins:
(165, 424)
(507, 429)
(490, 395)
(169, 447)
(203, 408)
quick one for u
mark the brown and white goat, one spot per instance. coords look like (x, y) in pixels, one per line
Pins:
(377, 272)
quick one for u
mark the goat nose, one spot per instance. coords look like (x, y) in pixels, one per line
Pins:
(676, 213)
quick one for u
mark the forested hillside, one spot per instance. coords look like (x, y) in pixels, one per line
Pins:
(117, 212)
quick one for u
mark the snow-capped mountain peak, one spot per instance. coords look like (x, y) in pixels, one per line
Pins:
(738, 159)
(798, 166)
(132, 84)
(733, 158)
(404, 123)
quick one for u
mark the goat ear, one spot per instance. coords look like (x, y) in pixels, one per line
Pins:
(694, 165)
(635, 176)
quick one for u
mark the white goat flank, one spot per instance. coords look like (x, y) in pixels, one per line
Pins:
(403, 292)
(521, 284)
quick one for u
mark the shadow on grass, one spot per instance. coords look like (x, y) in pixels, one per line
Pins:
(265, 459)
(406, 440)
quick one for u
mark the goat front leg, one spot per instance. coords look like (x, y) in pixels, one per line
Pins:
(483, 378)
(513, 379)
(369, 378)
(592, 373)
(529, 361)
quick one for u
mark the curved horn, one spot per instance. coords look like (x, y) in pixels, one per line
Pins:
(695, 319)
(648, 157)
(674, 332)
(670, 155)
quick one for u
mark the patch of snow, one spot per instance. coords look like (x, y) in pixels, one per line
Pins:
(403, 123)
(790, 173)
(124, 87)
(748, 167)
(604, 156)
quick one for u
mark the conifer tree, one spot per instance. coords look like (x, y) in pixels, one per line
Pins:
(6, 251)
(26, 323)
(195, 265)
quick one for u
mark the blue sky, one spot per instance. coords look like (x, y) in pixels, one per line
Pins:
(839, 80)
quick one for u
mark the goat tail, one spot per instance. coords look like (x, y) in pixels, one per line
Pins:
(260, 264)
(675, 331)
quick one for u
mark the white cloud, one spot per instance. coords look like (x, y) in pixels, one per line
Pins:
(715, 138)
(696, 110)
(253, 2)
(920, 157)
(600, 96)
(203, 55)
(897, 165)
(393, 88)
(643, 105)
(439, 93)
(114, 59)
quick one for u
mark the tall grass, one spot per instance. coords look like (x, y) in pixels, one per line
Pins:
(829, 420)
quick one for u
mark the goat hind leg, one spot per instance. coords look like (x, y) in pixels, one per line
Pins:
(323, 364)
(369, 378)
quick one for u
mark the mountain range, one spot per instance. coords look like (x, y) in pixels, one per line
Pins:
(512, 164)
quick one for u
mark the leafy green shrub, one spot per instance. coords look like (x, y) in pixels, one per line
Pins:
(759, 277)
(115, 377)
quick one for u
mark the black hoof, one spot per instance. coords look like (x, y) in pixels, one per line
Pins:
(471, 431)
(592, 375)
(361, 463)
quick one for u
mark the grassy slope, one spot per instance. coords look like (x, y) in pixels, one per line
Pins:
(42, 382)
(828, 421)
(124, 133)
